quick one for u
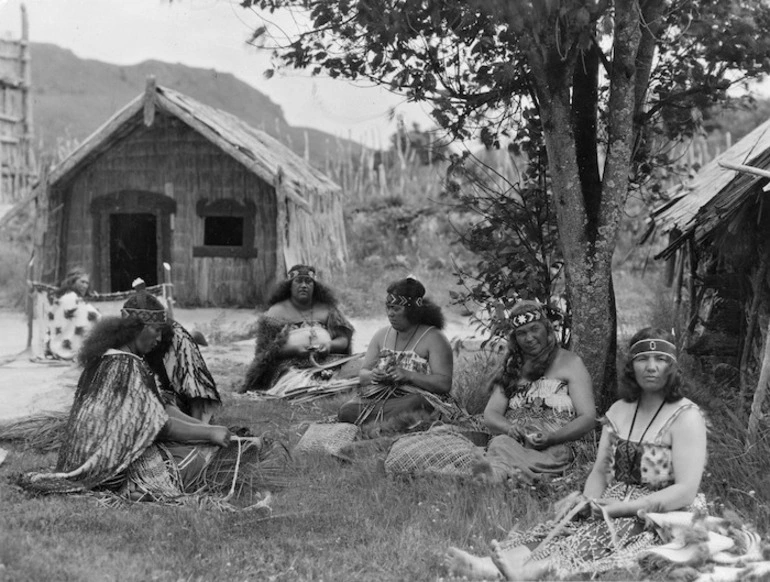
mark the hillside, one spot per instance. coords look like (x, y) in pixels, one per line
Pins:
(73, 96)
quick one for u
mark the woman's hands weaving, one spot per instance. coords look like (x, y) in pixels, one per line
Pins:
(392, 375)
(220, 436)
(538, 440)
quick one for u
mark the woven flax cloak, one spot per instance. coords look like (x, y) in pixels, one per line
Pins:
(116, 415)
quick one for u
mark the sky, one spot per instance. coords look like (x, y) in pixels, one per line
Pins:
(210, 34)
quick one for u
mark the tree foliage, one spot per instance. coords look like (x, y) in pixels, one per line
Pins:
(597, 88)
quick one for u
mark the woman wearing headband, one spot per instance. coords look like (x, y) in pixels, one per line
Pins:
(542, 400)
(182, 374)
(651, 458)
(408, 365)
(121, 435)
(302, 328)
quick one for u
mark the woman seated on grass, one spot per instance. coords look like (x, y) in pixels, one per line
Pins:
(541, 401)
(71, 316)
(651, 459)
(120, 436)
(408, 365)
(183, 377)
(302, 328)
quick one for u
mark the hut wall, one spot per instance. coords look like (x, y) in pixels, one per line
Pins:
(172, 159)
(319, 238)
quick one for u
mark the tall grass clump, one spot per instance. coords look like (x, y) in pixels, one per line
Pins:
(15, 253)
(472, 378)
(13, 275)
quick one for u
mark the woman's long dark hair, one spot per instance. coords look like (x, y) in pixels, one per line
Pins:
(628, 388)
(109, 332)
(426, 314)
(515, 366)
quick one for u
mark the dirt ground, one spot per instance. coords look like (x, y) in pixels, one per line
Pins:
(28, 387)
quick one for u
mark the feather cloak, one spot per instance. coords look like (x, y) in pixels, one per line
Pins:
(268, 366)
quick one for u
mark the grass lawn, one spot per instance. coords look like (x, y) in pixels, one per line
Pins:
(335, 522)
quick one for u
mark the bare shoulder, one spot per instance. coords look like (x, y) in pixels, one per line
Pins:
(620, 411)
(569, 359)
(567, 366)
(621, 407)
(320, 311)
(436, 337)
(690, 418)
(278, 310)
(379, 335)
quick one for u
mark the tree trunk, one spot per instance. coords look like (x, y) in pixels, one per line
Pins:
(589, 220)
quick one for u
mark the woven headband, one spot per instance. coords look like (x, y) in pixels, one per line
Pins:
(653, 346)
(147, 316)
(403, 300)
(527, 317)
(302, 273)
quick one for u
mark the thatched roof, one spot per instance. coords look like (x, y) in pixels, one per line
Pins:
(256, 150)
(716, 193)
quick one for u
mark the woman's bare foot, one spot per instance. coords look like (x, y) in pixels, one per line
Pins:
(462, 563)
(511, 562)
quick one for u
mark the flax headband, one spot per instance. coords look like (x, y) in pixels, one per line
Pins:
(653, 346)
(527, 317)
(403, 300)
(302, 273)
(147, 316)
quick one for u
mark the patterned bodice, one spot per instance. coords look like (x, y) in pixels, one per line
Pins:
(409, 360)
(542, 404)
(647, 463)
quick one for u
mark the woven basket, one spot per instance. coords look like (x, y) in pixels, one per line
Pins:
(435, 452)
(327, 438)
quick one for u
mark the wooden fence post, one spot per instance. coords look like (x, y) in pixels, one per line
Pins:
(748, 342)
(759, 395)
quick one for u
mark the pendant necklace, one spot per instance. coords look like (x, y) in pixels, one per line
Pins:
(411, 337)
(638, 448)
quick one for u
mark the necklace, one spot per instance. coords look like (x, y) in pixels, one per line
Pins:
(408, 341)
(632, 464)
(308, 322)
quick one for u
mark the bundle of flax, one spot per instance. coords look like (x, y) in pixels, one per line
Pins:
(40, 432)
(305, 385)
(247, 467)
(312, 390)
(376, 394)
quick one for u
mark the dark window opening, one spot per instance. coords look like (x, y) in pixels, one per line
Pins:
(223, 231)
(228, 228)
